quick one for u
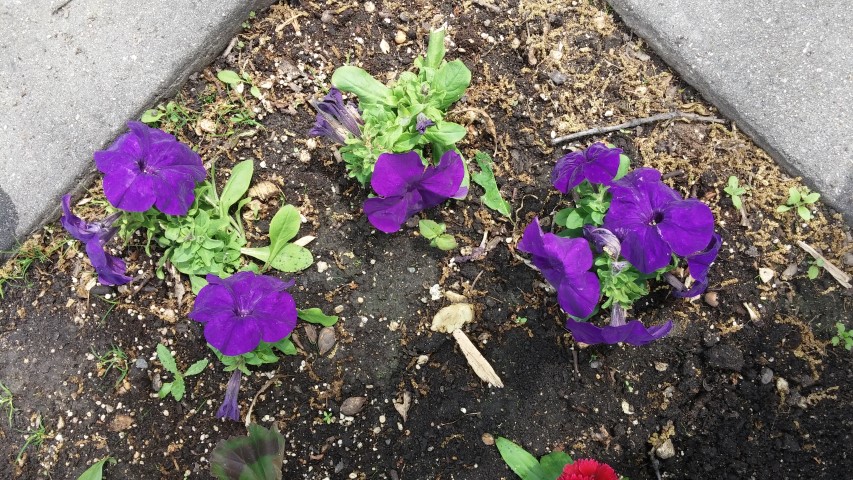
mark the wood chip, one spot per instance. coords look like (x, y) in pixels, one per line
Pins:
(836, 272)
(120, 423)
(478, 363)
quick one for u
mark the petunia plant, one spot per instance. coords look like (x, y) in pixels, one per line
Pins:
(396, 137)
(624, 230)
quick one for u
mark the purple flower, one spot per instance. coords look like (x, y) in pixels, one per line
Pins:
(230, 409)
(632, 332)
(652, 221)
(598, 164)
(408, 187)
(243, 309)
(565, 263)
(603, 239)
(95, 235)
(146, 167)
(422, 123)
(698, 264)
(335, 119)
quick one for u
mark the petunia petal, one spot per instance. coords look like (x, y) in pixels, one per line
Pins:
(632, 333)
(578, 294)
(388, 214)
(644, 248)
(234, 336)
(396, 173)
(699, 263)
(442, 181)
(132, 192)
(687, 226)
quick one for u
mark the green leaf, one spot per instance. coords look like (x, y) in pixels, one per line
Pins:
(237, 185)
(167, 359)
(624, 166)
(444, 242)
(230, 77)
(554, 463)
(96, 471)
(197, 283)
(165, 390)
(196, 368)
(151, 116)
(793, 196)
(813, 272)
(435, 49)
(737, 202)
(256, 92)
(283, 227)
(258, 456)
(520, 461)
(355, 80)
(574, 220)
(449, 83)
(315, 315)
(178, 388)
(811, 198)
(292, 258)
(285, 346)
(430, 229)
(486, 179)
(445, 133)
(804, 213)
(782, 208)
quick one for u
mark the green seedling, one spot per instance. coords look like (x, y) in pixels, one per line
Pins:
(799, 199)
(328, 417)
(177, 387)
(171, 116)
(6, 402)
(814, 268)
(521, 320)
(434, 232)
(17, 267)
(34, 438)
(237, 82)
(735, 191)
(844, 335)
(114, 358)
(96, 471)
(486, 179)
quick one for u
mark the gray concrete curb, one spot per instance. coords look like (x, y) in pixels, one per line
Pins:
(781, 71)
(73, 72)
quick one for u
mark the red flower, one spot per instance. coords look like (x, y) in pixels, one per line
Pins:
(587, 469)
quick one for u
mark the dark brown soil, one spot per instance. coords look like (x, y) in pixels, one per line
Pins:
(738, 395)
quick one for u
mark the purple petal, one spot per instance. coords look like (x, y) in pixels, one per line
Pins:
(278, 313)
(442, 181)
(632, 333)
(230, 409)
(334, 110)
(645, 249)
(75, 225)
(423, 122)
(396, 173)
(173, 191)
(598, 164)
(234, 335)
(323, 128)
(687, 225)
(699, 263)
(129, 192)
(698, 287)
(603, 239)
(388, 214)
(578, 294)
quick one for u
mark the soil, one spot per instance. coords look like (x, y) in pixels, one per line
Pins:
(747, 388)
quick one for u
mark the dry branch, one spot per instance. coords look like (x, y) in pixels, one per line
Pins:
(836, 272)
(638, 121)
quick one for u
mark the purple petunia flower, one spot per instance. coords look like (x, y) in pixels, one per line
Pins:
(146, 167)
(598, 164)
(632, 332)
(336, 119)
(565, 263)
(422, 123)
(230, 409)
(95, 235)
(603, 239)
(652, 221)
(243, 309)
(698, 264)
(408, 187)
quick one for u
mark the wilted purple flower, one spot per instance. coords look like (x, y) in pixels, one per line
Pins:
(603, 239)
(95, 235)
(408, 187)
(336, 119)
(698, 264)
(632, 332)
(598, 164)
(423, 122)
(565, 263)
(230, 409)
(146, 167)
(243, 309)
(652, 221)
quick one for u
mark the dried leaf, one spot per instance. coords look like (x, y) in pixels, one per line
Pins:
(311, 333)
(353, 405)
(478, 363)
(326, 340)
(403, 405)
(264, 190)
(452, 317)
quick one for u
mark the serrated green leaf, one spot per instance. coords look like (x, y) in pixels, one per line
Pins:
(237, 185)
(445, 242)
(167, 359)
(196, 368)
(229, 76)
(486, 179)
(96, 471)
(554, 463)
(431, 229)
(520, 461)
(352, 79)
(178, 388)
(315, 315)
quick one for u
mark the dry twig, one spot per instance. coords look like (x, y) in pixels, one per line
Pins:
(638, 121)
(836, 272)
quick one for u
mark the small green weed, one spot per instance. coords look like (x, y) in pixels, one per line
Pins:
(22, 259)
(799, 199)
(735, 191)
(34, 438)
(114, 358)
(176, 387)
(6, 402)
(843, 335)
(814, 268)
(172, 116)
(434, 232)
(328, 417)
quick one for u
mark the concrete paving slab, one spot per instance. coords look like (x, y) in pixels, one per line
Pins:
(782, 70)
(72, 72)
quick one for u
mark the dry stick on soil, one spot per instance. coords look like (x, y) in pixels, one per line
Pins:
(264, 388)
(478, 363)
(836, 272)
(637, 121)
